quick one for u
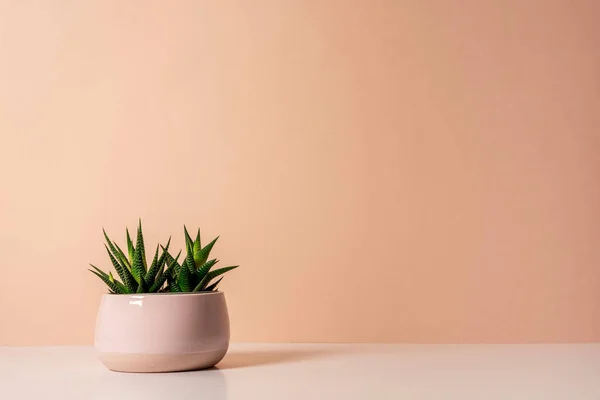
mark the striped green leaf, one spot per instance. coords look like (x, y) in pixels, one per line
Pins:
(121, 287)
(183, 265)
(130, 248)
(189, 258)
(171, 262)
(203, 270)
(149, 277)
(172, 266)
(174, 287)
(139, 245)
(122, 257)
(197, 245)
(163, 274)
(112, 286)
(213, 274)
(188, 238)
(212, 287)
(201, 256)
(183, 280)
(161, 278)
(117, 253)
(123, 272)
(163, 256)
(99, 271)
(115, 250)
(155, 258)
(142, 288)
(138, 269)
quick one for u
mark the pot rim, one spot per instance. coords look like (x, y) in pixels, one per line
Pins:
(138, 295)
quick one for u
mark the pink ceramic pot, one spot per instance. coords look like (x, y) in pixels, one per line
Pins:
(162, 332)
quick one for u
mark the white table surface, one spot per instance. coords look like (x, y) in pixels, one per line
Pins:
(295, 371)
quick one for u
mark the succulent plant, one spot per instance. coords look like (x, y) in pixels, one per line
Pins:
(194, 274)
(136, 276)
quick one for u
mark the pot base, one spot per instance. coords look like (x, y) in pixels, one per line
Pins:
(132, 362)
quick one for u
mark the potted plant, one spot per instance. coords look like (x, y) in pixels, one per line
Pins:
(164, 316)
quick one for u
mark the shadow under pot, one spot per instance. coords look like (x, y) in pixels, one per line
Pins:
(162, 332)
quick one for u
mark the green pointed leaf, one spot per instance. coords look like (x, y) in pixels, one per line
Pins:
(155, 258)
(106, 279)
(165, 250)
(115, 250)
(172, 265)
(173, 262)
(201, 256)
(163, 273)
(130, 248)
(99, 271)
(212, 287)
(123, 272)
(121, 256)
(138, 269)
(140, 245)
(109, 241)
(149, 277)
(188, 238)
(169, 258)
(116, 263)
(161, 278)
(183, 266)
(142, 288)
(213, 274)
(183, 280)
(203, 270)
(174, 287)
(202, 273)
(191, 264)
(156, 266)
(197, 245)
(121, 288)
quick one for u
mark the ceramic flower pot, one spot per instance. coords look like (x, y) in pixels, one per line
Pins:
(162, 332)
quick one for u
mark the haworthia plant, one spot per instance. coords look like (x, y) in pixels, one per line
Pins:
(136, 276)
(195, 273)
(165, 273)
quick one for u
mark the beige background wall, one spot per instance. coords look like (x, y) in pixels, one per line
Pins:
(387, 171)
